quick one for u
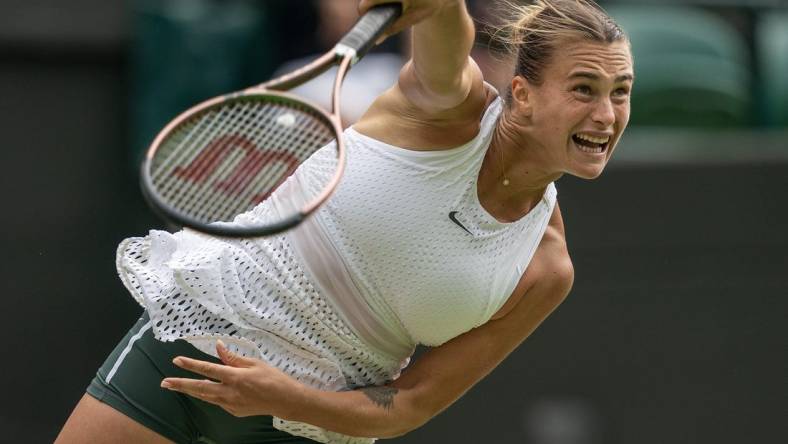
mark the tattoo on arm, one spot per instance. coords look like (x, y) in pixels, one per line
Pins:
(381, 396)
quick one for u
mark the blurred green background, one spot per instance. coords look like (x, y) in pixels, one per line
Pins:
(675, 330)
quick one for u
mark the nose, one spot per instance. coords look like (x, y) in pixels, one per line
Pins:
(603, 113)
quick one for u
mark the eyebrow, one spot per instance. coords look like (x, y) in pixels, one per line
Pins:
(593, 76)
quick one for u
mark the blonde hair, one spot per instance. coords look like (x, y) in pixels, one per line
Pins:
(537, 29)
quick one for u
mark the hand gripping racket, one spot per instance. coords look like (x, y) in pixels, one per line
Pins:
(226, 155)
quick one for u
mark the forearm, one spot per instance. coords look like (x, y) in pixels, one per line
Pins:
(435, 380)
(441, 46)
(423, 390)
(378, 412)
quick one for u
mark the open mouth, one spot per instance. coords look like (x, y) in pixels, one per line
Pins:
(591, 144)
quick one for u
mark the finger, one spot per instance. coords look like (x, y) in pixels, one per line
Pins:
(414, 18)
(395, 28)
(233, 359)
(365, 5)
(209, 369)
(204, 389)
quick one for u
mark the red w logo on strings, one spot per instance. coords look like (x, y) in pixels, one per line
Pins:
(254, 159)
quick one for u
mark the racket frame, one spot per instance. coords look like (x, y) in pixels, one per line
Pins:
(342, 56)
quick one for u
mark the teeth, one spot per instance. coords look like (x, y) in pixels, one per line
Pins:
(592, 139)
(588, 149)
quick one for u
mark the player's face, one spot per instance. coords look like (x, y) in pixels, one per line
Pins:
(582, 106)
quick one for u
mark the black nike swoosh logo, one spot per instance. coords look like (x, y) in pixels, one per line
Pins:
(454, 219)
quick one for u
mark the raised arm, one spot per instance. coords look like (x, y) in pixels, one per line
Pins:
(440, 75)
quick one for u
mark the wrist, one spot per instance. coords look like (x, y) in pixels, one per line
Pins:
(298, 401)
(452, 4)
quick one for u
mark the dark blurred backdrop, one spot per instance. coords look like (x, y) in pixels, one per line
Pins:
(675, 329)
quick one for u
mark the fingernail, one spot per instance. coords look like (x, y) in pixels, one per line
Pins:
(177, 361)
(220, 344)
(166, 384)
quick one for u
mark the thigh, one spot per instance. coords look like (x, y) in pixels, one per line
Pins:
(97, 423)
(126, 391)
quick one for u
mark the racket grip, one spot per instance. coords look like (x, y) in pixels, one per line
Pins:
(370, 27)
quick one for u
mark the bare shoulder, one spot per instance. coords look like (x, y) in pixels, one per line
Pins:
(463, 95)
(549, 275)
(551, 265)
(399, 119)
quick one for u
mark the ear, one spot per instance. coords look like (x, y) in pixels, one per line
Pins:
(522, 95)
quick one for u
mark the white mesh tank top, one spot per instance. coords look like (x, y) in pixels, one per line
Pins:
(424, 252)
(402, 254)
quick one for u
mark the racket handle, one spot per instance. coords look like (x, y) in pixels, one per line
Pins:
(370, 27)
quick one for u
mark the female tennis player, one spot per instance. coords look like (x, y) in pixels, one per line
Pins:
(445, 231)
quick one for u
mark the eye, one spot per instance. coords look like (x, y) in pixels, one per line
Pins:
(583, 89)
(621, 92)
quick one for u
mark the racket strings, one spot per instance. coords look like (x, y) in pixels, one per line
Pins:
(174, 152)
(280, 171)
(209, 168)
(193, 165)
(245, 183)
(171, 152)
(202, 165)
(229, 158)
(246, 186)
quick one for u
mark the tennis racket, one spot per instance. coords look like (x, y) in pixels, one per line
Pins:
(224, 156)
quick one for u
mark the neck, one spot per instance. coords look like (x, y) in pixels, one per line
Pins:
(514, 155)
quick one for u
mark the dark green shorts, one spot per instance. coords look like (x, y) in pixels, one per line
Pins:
(129, 382)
